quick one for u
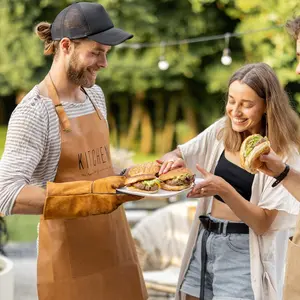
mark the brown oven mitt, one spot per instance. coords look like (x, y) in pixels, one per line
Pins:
(84, 198)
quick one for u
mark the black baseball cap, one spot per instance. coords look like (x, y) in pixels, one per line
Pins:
(87, 20)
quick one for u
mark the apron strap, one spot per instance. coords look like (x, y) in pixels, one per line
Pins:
(62, 116)
(95, 106)
(203, 262)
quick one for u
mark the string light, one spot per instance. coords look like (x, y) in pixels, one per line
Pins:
(226, 57)
(163, 64)
(194, 40)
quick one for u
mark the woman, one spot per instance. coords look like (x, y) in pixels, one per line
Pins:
(237, 249)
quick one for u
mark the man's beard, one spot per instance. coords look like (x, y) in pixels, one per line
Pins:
(78, 75)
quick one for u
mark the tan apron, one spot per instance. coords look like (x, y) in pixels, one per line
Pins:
(94, 257)
(292, 272)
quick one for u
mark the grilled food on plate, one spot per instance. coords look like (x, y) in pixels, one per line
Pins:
(145, 183)
(145, 168)
(177, 179)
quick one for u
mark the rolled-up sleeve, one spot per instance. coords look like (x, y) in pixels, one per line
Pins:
(24, 147)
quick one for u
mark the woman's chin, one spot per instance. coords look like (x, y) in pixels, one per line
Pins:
(238, 128)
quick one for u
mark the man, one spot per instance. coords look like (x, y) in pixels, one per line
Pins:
(59, 134)
(290, 179)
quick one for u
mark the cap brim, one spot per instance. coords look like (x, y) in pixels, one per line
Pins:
(112, 37)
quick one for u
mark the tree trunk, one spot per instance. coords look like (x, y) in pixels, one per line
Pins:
(191, 121)
(159, 122)
(135, 121)
(146, 133)
(170, 126)
(124, 119)
(113, 134)
(190, 128)
(20, 95)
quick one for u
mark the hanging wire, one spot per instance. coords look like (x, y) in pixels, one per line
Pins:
(162, 46)
(227, 37)
(196, 40)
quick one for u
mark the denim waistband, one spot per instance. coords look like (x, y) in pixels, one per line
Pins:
(220, 226)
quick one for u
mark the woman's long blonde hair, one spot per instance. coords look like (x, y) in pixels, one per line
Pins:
(280, 123)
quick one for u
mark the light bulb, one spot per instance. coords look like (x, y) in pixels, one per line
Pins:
(163, 65)
(226, 58)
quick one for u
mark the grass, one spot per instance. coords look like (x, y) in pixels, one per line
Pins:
(3, 130)
(23, 228)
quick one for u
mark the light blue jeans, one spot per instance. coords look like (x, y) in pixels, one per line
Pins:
(227, 274)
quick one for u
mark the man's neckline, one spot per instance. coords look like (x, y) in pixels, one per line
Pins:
(63, 101)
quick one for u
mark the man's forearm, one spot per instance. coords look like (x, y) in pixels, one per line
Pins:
(292, 183)
(30, 201)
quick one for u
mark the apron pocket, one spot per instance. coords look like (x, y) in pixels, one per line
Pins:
(292, 272)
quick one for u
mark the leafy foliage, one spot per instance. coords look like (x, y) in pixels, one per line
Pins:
(176, 103)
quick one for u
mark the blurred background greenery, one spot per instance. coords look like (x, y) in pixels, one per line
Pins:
(150, 111)
(147, 105)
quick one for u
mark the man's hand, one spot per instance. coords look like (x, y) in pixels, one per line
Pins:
(84, 198)
(110, 184)
(273, 165)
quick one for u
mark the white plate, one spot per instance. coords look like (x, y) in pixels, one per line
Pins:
(160, 194)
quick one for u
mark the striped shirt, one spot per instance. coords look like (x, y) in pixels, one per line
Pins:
(32, 147)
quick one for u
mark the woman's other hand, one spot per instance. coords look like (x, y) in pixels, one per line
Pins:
(170, 164)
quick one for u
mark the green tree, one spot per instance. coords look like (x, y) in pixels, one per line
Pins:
(177, 94)
(275, 47)
(150, 109)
